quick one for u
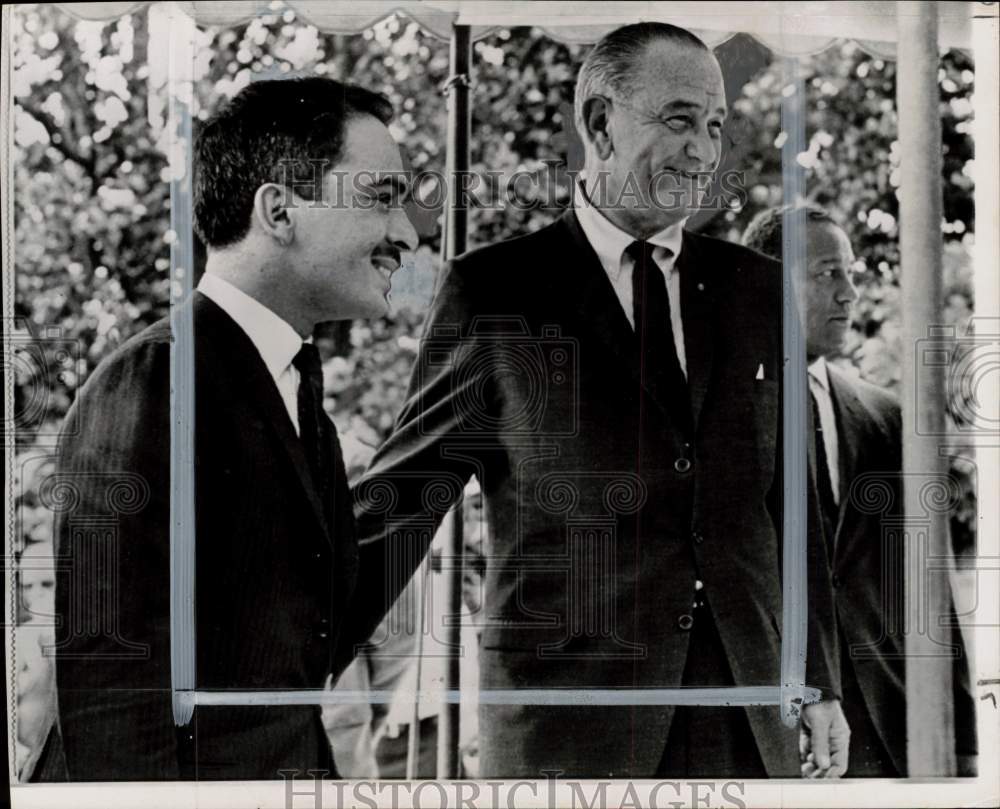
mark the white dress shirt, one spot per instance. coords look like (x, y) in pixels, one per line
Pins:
(609, 242)
(819, 385)
(275, 340)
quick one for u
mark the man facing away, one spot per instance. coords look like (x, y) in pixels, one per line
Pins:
(296, 200)
(855, 448)
(612, 380)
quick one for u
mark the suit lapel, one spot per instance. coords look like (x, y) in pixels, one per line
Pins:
(597, 308)
(851, 420)
(698, 302)
(815, 507)
(595, 304)
(214, 327)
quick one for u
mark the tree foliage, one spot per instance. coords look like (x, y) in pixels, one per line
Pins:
(93, 161)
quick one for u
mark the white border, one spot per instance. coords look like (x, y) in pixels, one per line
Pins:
(981, 791)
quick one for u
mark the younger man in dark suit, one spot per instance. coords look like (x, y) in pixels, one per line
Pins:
(855, 442)
(295, 201)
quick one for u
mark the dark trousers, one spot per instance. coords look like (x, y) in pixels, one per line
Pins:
(868, 756)
(705, 740)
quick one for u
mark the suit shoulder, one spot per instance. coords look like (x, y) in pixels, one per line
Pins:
(731, 250)
(882, 404)
(743, 265)
(871, 393)
(144, 355)
(500, 263)
(125, 401)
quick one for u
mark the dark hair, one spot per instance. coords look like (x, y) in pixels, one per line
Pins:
(764, 233)
(611, 64)
(271, 132)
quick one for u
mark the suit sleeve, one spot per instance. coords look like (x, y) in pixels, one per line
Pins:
(113, 599)
(421, 469)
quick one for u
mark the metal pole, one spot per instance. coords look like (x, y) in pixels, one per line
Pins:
(982, 627)
(454, 243)
(459, 125)
(794, 463)
(413, 738)
(182, 520)
(929, 708)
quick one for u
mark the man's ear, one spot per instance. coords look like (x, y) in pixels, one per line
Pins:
(597, 124)
(270, 211)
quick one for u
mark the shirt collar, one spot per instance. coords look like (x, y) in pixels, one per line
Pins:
(609, 241)
(275, 340)
(817, 370)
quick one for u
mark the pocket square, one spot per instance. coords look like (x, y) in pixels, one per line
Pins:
(760, 371)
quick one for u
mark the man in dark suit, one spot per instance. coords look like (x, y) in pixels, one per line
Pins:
(855, 460)
(293, 205)
(613, 382)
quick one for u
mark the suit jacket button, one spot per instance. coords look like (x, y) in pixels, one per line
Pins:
(322, 635)
(682, 465)
(685, 622)
(697, 537)
(836, 581)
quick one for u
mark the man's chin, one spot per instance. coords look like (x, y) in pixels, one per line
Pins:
(667, 218)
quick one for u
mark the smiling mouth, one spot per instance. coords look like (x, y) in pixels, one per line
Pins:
(690, 175)
(386, 266)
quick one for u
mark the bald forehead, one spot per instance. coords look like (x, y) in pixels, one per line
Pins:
(828, 241)
(671, 71)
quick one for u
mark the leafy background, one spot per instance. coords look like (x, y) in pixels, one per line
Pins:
(91, 191)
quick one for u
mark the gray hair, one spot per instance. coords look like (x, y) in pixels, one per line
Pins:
(610, 67)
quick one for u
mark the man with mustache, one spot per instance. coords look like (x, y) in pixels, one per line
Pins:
(296, 196)
(856, 447)
(613, 382)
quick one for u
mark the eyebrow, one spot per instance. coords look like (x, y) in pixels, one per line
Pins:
(692, 106)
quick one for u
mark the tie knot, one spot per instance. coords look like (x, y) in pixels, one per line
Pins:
(306, 361)
(641, 253)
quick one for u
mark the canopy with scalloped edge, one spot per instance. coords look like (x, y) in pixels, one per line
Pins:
(786, 28)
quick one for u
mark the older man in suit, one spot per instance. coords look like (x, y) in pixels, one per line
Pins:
(613, 382)
(293, 184)
(855, 442)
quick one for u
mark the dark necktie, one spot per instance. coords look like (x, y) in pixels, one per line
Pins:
(827, 504)
(311, 414)
(651, 313)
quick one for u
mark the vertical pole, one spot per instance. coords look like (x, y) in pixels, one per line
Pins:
(7, 284)
(459, 124)
(413, 737)
(795, 602)
(929, 708)
(454, 243)
(986, 134)
(182, 522)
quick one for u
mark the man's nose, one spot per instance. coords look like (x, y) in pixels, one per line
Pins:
(401, 231)
(701, 147)
(846, 291)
